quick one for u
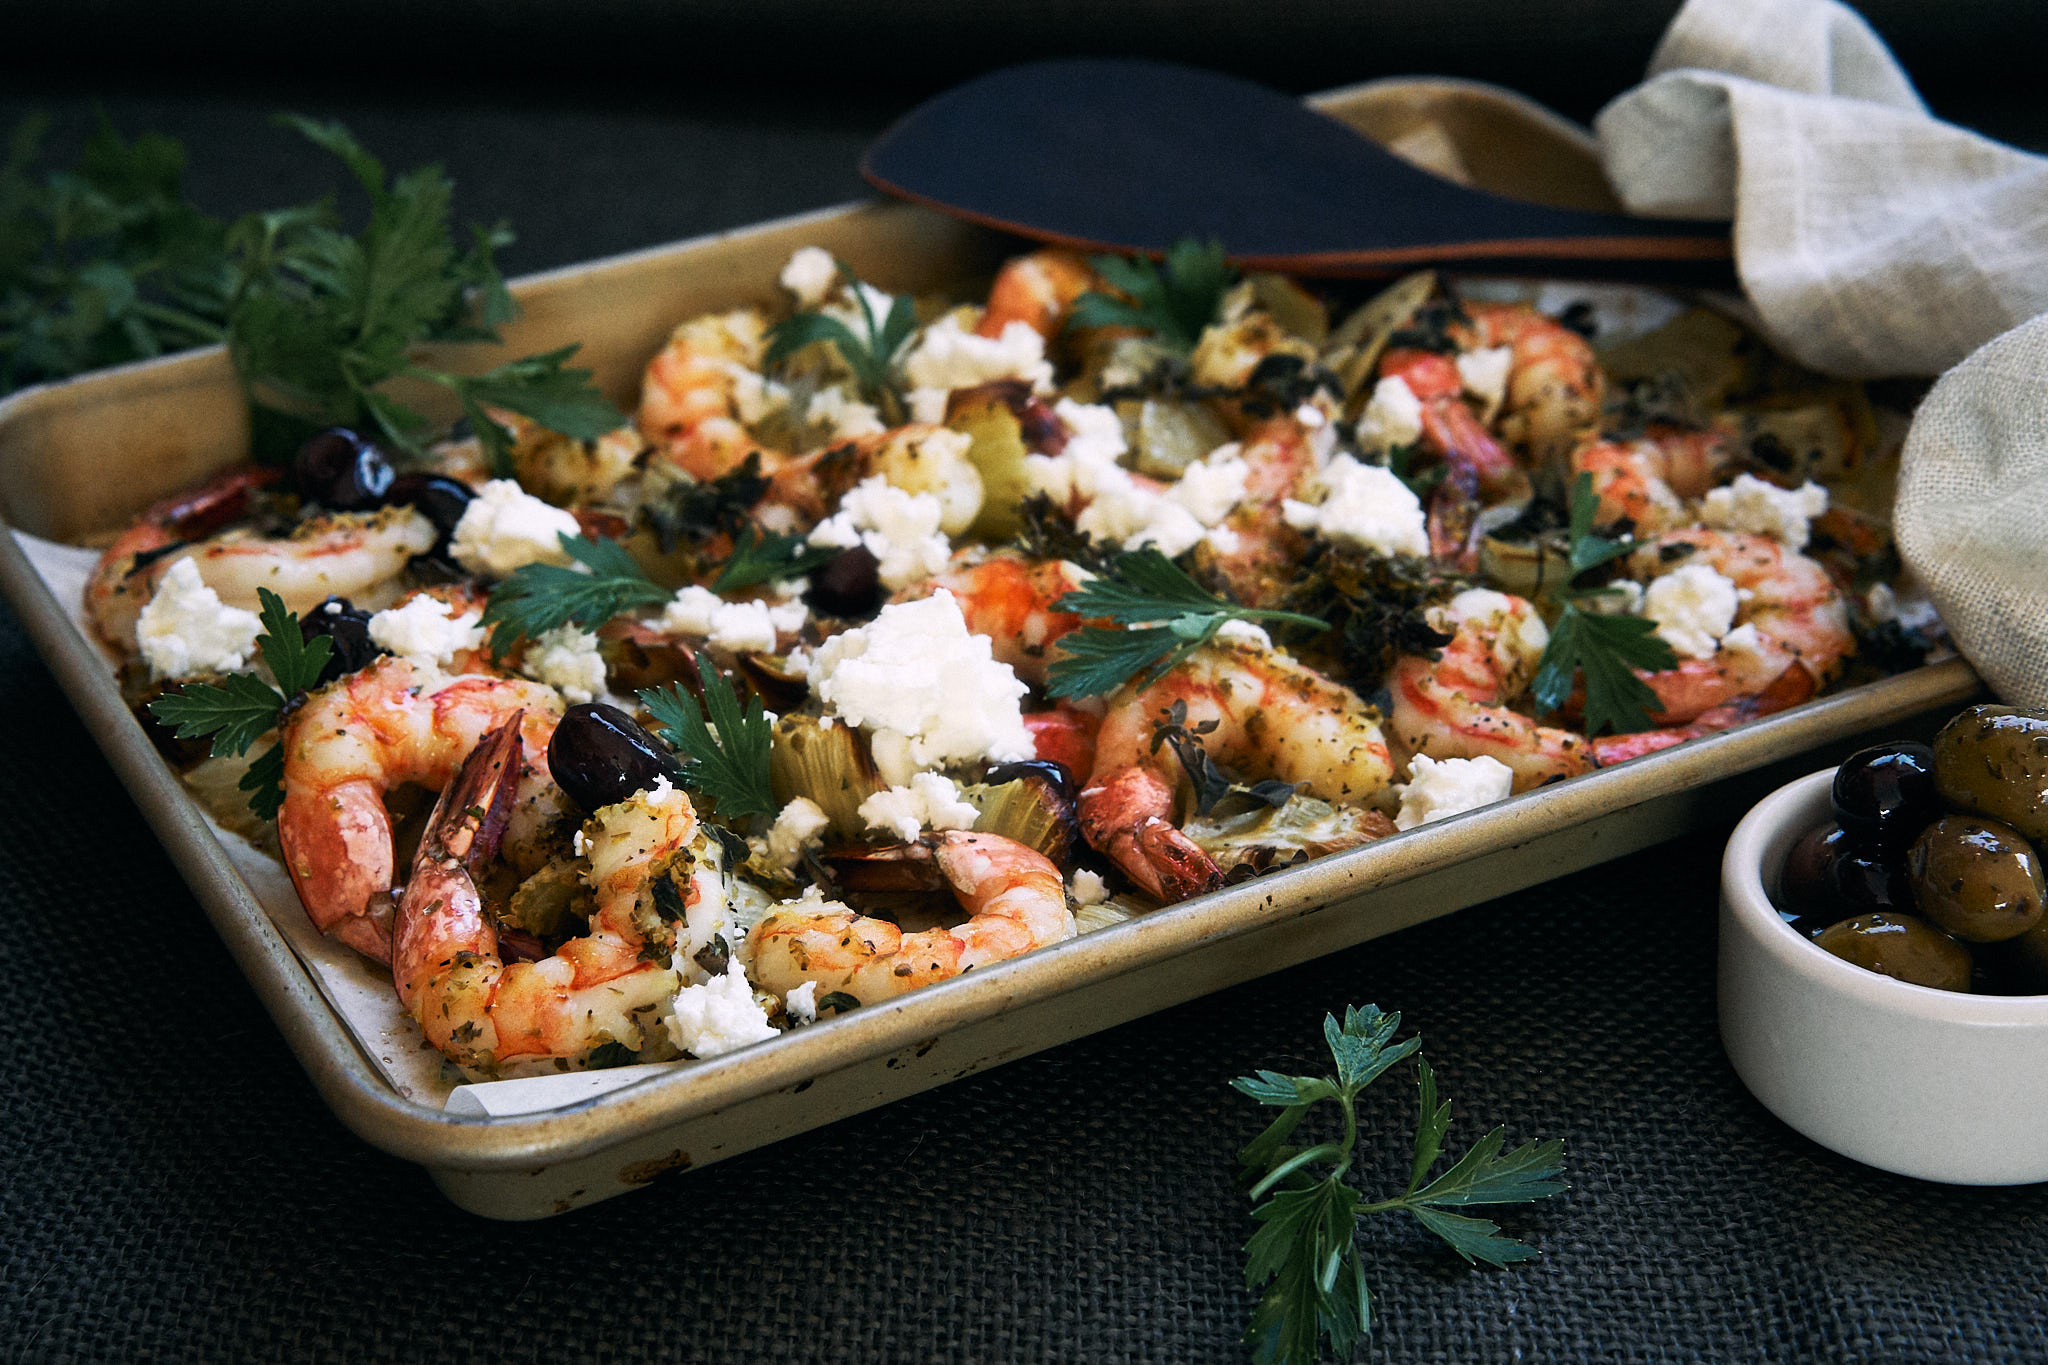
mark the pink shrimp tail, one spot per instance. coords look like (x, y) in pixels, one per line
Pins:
(340, 862)
(1124, 817)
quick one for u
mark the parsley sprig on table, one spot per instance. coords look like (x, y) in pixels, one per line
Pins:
(726, 759)
(1606, 649)
(1161, 617)
(871, 356)
(1304, 1257)
(241, 708)
(1173, 300)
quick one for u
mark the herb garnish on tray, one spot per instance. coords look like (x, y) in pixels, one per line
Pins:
(726, 759)
(1305, 1253)
(1173, 300)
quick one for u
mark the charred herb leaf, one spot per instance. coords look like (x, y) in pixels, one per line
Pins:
(242, 708)
(1303, 1259)
(1377, 605)
(541, 597)
(838, 1001)
(1605, 649)
(1049, 533)
(694, 511)
(1213, 787)
(1143, 587)
(1173, 300)
(726, 756)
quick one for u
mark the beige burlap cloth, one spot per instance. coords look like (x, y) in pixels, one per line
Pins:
(1876, 240)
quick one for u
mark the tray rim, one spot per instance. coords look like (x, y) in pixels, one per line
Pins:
(358, 1094)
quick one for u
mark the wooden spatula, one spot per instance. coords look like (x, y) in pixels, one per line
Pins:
(1131, 156)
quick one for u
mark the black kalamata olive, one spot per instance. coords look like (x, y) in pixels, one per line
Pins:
(347, 629)
(1887, 792)
(441, 498)
(600, 756)
(1803, 887)
(1867, 876)
(848, 586)
(343, 471)
(1056, 773)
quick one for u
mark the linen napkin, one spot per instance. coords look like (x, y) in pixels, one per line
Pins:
(1876, 240)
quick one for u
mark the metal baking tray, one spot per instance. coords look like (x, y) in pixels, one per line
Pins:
(82, 457)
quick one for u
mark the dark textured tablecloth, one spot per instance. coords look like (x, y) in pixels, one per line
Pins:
(172, 1188)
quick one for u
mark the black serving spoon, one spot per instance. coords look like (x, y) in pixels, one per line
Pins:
(1132, 156)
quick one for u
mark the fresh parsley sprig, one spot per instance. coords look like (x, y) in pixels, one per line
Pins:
(764, 556)
(871, 357)
(242, 708)
(1173, 300)
(1304, 1257)
(320, 318)
(537, 598)
(1605, 649)
(726, 759)
(1162, 616)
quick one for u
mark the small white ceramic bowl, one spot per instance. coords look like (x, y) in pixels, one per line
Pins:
(1926, 1083)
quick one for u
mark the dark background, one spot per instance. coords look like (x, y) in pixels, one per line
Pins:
(172, 1188)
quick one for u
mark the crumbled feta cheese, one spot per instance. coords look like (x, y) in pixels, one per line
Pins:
(505, 528)
(1755, 507)
(901, 530)
(1622, 597)
(929, 692)
(1244, 633)
(1880, 604)
(426, 631)
(755, 397)
(1088, 463)
(799, 825)
(1088, 888)
(1392, 417)
(811, 275)
(1310, 416)
(1364, 505)
(1520, 648)
(1138, 516)
(800, 1003)
(750, 627)
(848, 417)
(1439, 788)
(1484, 373)
(1693, 607)
(185, 628)
(567, 660)
(1743, 640)
(1213, 486)
(719, 1016)
(949, 356)
(931, 801)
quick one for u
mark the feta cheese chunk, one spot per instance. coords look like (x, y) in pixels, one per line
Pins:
(928, 691)
(1693, 607)
(799, 825)
(1438, 788)
(931, 801)
(1756, 507)
(1088, 888)
(901, 530)
(506, 528)
(811, 275)
(949, 356)
(567, 660)
(800, 1003)
(1363, 505)
(750, 627)
(847, 416)
(1484, 373)
(1392, 416)
(719, 1016)
(185, 628)
(426, 631)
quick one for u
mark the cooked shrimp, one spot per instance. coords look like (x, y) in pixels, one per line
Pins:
(357, 555)
(1228, 352)
(1554, 387)
(1036, 289)
(361, 736)
(1789, 613)
(1009, 599)
(1274, 718)
(604, 987)
(691, 396)
(563, 470)
(1650, 478)
(1477, 469)
(1015, 901)
(1064, 735)
(1790, 688)
(122, 581)
(1456, 706)
(1259, 564)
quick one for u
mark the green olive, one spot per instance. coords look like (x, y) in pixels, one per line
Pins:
(1994, 760)
(1976, 878)
(1901, 946)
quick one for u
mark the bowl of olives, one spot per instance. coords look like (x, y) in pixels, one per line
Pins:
(1884, 952)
